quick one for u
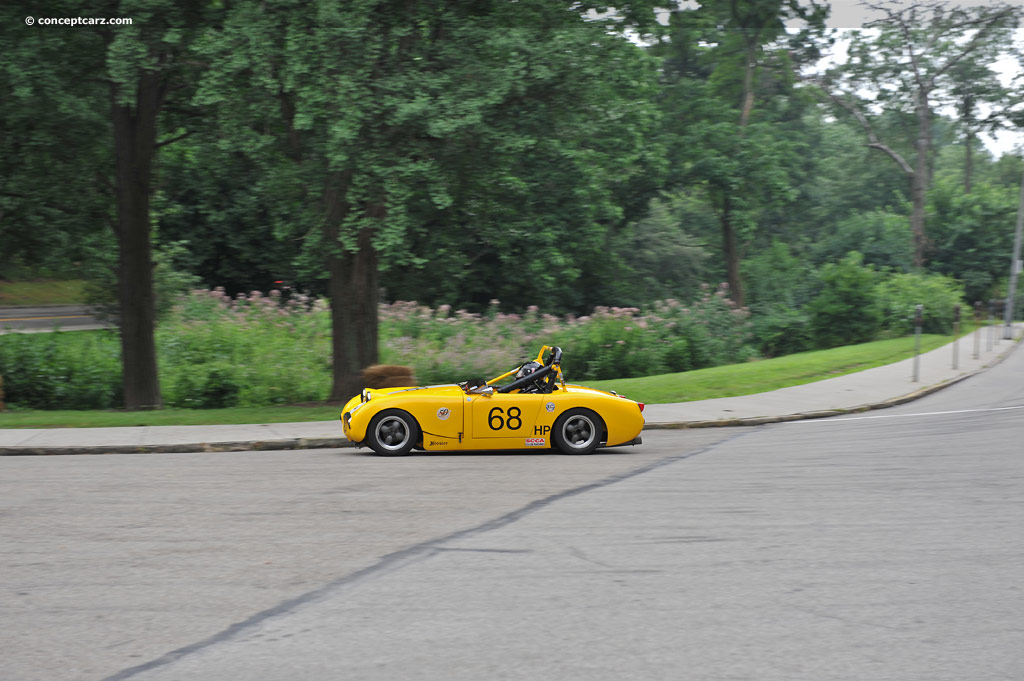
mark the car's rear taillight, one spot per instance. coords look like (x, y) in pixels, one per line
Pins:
(641, 406)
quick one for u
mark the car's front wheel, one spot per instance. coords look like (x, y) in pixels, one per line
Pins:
(392, 432)
(578, 431)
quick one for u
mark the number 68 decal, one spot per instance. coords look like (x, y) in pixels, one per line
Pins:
(496, 420)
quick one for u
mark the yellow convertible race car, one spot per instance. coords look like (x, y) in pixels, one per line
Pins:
(535, 410)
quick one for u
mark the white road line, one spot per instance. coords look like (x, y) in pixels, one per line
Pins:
(904, 416)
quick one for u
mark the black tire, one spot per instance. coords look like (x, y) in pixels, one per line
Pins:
(392, 432)
(578, 431)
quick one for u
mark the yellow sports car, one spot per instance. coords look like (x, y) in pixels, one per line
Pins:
(536, 410)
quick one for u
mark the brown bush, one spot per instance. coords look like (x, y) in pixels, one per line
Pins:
(388, 376)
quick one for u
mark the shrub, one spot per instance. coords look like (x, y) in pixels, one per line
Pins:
(900, 293)
(61, 370)
(780, 330)
(846, 311)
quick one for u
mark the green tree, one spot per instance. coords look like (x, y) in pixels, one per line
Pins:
(720, 58)
(972, 233)
(660, 258)
(146, 68)
(55, 148)
(214, 203)
(983, 103)
(544, 185)
(125, 89)
(371, 119)
(907, 63)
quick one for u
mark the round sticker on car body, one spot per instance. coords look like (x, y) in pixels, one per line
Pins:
(443, 413)
(550, 406)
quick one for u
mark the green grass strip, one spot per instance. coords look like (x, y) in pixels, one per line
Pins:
(42, 292)
(770, 374)
(36, 418)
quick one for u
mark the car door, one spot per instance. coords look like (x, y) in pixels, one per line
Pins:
(501, 415)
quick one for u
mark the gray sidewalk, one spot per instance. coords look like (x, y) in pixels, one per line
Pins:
(875, 388)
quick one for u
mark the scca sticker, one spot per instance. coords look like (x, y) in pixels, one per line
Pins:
(550, 406)
(443, 413)
(535, 442)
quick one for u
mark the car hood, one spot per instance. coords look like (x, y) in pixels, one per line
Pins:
(449, 389)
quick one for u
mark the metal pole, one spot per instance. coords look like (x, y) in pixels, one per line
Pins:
(977, 329)
(997, 306)
(1015, 267)
(991, 314)
(956, 337)
(917, 341)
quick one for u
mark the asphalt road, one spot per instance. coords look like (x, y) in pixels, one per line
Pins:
(881, 546)
(48, 318)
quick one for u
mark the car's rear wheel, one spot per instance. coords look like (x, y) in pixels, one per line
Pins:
(392, 432)
(578, 431)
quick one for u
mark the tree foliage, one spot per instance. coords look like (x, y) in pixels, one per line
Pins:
(376, 124)
(914, 57)
(723, 59)
(494, 156)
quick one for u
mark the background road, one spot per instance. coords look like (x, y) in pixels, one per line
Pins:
(881, 546)
(48, 318)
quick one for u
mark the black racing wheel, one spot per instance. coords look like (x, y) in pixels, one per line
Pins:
(578, 431)
(392, 432)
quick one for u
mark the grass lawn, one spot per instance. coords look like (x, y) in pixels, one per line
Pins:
(35, 418)
(769, 374)
(724, 381)
(43, 292)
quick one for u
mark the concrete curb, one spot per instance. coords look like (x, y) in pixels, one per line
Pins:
(193, 447)
(340, 442)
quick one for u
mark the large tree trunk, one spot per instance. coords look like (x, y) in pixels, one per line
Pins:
(354, 292)
(968, 160)
(967, 118)
(135, 145)
(919, 180)
(729, 245)
(732, 254)
(747, 104)
(354, 296)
